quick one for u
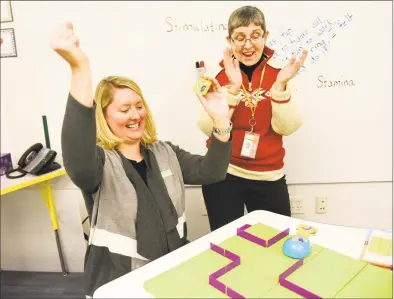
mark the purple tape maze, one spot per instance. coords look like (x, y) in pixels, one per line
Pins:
(236, 261)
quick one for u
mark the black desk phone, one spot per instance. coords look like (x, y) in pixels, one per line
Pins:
(36, 160)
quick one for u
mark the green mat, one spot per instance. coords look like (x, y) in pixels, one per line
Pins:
(371, 282)
(325, 273)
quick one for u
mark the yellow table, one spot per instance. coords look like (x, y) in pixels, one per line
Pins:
(42, 181)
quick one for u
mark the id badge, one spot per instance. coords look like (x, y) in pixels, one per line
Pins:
(249, 147)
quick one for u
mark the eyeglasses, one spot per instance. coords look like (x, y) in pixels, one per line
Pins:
(240, 40)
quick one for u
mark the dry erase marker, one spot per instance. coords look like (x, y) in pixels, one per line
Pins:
(202, 66)
(200, 70)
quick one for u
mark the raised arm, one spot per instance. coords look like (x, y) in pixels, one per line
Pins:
(208, 169)
(233, 84)
(212, 167)
(82, 158)
(205, 122)
(216, 109)
(286, 118)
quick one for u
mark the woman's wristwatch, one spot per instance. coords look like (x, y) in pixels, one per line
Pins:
(223, 131)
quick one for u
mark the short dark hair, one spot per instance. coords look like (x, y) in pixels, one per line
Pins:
(244, 16)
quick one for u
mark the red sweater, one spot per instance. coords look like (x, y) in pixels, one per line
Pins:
(270, 151)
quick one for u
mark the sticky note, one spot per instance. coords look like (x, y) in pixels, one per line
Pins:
(202, 86)
(381, 246)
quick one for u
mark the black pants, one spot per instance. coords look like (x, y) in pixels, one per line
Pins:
(226, 200)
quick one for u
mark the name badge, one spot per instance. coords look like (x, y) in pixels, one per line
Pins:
(249, 147)
(166, 173)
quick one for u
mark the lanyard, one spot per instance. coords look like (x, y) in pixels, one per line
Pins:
(252, 120)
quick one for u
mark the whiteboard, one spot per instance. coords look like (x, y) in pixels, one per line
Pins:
(347, 130)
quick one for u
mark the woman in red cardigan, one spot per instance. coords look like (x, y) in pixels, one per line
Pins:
(262, 112)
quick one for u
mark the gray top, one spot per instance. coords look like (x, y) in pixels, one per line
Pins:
(87, 165)
(84, 160)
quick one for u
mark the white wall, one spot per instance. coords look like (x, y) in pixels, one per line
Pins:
(129, 38)
(30, 89)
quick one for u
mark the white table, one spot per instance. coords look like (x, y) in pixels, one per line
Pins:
(131, 285)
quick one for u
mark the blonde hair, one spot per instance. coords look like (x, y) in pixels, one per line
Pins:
(103, 97)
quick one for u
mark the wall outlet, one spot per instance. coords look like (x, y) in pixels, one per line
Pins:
(203, 207)
(321, 204)
(297, 205)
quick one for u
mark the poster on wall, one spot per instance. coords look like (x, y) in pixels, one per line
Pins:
(6, 12)
(7, 43)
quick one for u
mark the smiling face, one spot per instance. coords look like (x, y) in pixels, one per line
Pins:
(248, 43)
(126, 115)
(247, 34)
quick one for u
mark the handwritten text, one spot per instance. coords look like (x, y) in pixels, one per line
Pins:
(202, 26)
(325, 83)
(316, 39)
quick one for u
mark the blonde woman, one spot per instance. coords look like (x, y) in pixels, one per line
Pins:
(133, 184)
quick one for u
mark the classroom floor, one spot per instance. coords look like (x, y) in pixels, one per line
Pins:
(41, 285)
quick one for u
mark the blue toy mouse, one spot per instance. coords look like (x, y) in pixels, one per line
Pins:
(298, 247)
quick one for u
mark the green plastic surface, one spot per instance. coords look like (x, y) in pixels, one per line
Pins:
(325, 272)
